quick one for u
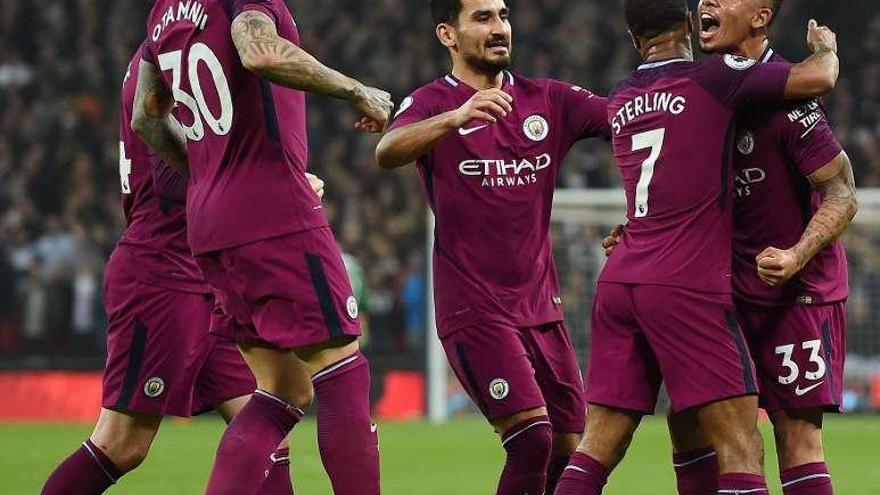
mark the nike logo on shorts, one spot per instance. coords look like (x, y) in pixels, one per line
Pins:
(801, 391)
(465, 132)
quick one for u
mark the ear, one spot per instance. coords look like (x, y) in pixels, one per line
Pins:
(635, 41)
(762, 18)
(446, 34)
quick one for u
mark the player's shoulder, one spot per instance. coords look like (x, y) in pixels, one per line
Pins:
(434, 91)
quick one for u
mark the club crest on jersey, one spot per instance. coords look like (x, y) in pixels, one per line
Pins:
(499, 388)
(351, 307)
(745, 142)
(736, 62)
(154, 387)
(536, 128)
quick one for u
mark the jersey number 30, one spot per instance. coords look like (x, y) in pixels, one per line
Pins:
(652, 140)
(199, 54)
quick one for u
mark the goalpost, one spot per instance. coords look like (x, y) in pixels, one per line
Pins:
(582, 217)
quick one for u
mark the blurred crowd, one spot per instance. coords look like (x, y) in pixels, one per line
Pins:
(61, 66)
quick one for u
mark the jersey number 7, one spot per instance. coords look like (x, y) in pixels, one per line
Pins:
(652, 140)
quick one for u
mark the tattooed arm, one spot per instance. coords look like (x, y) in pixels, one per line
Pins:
(151, 118)
(836, 184)
(265, 53)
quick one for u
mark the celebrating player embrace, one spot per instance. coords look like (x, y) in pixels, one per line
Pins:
(489, 144)
(663, 307)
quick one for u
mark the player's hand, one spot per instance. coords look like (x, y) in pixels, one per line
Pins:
(777, 266)
(316, 183)
(613, 239)
(487, 105)
(820, 38)
(375, 105)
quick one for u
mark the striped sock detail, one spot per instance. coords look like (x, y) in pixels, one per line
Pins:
(523, 427)
(336, 366)
(290, 407)
(702, 457)
(101, 459)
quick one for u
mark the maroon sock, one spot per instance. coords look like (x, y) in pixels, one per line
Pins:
(696, 472)
(807, 479)
(528, 445)
(583, 476)
(347, 437)
(554, 471)
(243, 454)
(88, 471)
(735, 483)
(277, 480)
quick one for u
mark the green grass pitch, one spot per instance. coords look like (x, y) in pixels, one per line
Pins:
(461, 457)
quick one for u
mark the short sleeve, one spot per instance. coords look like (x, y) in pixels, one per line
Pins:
(584, 113)
(147, 54)
(268, 7)
(739, 82)
(413, 109)
(807, 137)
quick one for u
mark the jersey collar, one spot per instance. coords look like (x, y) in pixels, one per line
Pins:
(452, 81)
(654, 65)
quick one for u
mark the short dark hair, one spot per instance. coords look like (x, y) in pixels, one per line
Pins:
(651, 18)
(445, 11)
(775, 6)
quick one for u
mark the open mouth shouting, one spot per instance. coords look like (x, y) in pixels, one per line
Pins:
(709, 27)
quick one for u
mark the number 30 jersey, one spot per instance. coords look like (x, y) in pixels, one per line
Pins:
(246, 137)
(673, 125)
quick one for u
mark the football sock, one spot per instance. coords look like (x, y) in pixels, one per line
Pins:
(696, 472)
(807, 479)
(741, 483)
(243, 454)
(277, 480)
(88, 471)
(347, 437)
(583, 476)
(554, 471)
(528, 445)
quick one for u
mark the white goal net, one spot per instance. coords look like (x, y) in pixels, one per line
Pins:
(581, 218)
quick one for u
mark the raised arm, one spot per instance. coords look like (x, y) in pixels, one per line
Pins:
(264, 52)
(151, 118)
(836, 184)
(406, 144)
(817, 75)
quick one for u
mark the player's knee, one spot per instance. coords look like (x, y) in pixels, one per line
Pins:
(797, 441)
(302, 399)
(126, 452)
(741, 451)
(565, 443)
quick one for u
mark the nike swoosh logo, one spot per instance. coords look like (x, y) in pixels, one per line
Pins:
(801, 391)
(465, 132)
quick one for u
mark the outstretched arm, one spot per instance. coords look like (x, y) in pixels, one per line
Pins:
(264, 52)
(836, 184)
(817, 75)
(151, 118)
(406, 144)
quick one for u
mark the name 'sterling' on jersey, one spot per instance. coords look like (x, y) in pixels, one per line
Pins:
(647, 103)
(191, 11)
(503, 173)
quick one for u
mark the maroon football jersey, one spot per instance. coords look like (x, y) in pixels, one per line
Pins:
(153, 199)
(777, 147)
(247, 144)
(491, 186)
(673, 128)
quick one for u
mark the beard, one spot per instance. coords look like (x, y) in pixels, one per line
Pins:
(487, 66)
